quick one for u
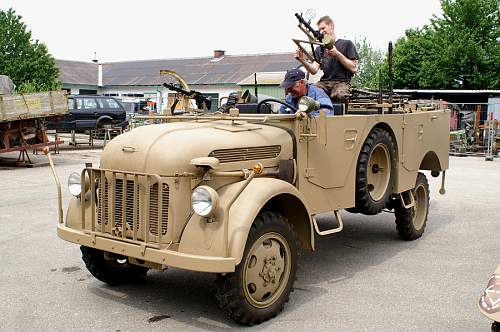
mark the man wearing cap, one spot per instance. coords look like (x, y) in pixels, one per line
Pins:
(338, 64)
(296, 87)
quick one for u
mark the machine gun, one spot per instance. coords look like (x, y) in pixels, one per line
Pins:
(315, 37)
(200, 99)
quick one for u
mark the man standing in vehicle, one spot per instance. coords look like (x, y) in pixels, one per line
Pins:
(296, 87)
(338, 64)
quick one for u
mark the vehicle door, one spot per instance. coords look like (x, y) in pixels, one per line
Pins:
(85, 113)
(328, 169)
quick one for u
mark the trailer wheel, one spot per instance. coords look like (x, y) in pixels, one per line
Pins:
(262, 282)
(374, 170)
(113, 271)
(410, 223)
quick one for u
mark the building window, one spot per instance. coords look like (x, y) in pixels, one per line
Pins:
(140, 95)
(87, 92)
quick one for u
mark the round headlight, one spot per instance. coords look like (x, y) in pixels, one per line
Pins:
(74, 184)
(204, 201)
(307, 104)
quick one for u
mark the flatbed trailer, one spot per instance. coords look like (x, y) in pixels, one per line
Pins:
(22, 120)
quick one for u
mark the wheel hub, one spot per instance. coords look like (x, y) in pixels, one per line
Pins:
(269, 270)
(266, 270)
(379, 166)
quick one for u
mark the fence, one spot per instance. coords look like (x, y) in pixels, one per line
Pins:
(474, 128)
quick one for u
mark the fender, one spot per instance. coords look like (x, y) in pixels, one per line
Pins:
(204, 238)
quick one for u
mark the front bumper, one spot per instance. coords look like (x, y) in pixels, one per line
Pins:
(146, 253)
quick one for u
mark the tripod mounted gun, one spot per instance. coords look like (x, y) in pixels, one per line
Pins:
(315, 38)
(199, 98)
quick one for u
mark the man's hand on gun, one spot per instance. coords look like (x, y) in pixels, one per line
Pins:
(299, 55)
(333, 52)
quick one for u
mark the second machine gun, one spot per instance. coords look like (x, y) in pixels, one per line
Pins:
(199, 98)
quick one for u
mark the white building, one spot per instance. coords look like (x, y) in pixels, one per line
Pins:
(140, 80)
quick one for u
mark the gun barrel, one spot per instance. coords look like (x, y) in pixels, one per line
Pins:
(316, 33)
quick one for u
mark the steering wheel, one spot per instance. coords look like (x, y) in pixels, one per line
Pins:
(265, 101)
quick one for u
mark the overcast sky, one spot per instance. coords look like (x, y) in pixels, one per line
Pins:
(136, 30)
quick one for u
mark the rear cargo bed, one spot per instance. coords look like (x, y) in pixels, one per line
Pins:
(32, 105)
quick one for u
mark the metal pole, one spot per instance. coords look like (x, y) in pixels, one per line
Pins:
(390, 75)
(58, 183)
(255, 86)
(491, 137)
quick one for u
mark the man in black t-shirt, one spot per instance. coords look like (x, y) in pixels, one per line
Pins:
(338, 64)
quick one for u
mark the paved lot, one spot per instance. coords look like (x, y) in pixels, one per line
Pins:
(363, 279)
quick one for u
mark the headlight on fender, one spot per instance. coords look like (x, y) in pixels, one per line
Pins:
(75, 184)
(204, 201)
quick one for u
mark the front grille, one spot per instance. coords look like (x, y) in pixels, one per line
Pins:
(129, 204)
(154, 210)
(118, 203)
(243, 154)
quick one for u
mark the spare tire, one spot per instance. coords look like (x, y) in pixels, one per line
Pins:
(374, 172)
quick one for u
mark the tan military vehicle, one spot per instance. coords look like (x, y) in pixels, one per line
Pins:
(237, 194)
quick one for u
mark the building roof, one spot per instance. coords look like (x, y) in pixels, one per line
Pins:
(272, 78)
(77, 72)
(230, 69)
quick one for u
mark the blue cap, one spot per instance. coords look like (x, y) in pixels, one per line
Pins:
(292, 76)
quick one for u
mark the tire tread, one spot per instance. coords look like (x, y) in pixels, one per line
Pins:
(227, 290)
(404, 217)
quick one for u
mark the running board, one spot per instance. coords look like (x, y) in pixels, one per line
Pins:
(329, 231)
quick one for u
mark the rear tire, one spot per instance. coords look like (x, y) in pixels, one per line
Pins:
(113, 271)
(374, 170)
(262, 282)
(411, 222)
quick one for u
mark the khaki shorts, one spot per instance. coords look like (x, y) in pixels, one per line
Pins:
(338, 91)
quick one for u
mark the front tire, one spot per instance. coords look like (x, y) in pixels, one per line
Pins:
(113, 270)
(262, 282)
(411, 222)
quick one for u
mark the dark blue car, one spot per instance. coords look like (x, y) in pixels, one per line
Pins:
(91, 112)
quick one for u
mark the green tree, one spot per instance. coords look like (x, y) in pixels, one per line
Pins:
(369, 63)
(469, 32)
(458, 50)
(27, 62)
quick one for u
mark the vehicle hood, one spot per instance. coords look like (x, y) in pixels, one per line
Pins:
(167, 149)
